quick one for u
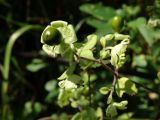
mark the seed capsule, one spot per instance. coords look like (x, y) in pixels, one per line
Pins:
(51, 36)
(117, 23)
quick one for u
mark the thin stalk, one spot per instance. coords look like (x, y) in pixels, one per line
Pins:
(115, 78)
(115, 73)
(6, 66)
(89, 85)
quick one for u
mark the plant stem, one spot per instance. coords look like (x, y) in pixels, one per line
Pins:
(89, 85)
(99, 62)
(6, 66)
(115, 78)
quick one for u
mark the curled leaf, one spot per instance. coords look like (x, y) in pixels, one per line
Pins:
(124, 85)
(104, 90)
(118, 53)
(91, 42)
(121, 105)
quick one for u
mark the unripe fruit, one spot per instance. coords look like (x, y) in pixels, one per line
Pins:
(117, 23)
(51, 36)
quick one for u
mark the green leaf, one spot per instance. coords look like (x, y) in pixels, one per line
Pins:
(68, 72)
(103, 42)
(38, 107)
(141, 21)
(64, 96)
(84, 64)
(87, 54)
(58, 23)
(36, 65)
(68, 34)
(118, 36)
(111, 111)
(121, 105)
(118, 53)
(147, 34)
(140, 24)
(49, 50)
(109, 37)
(98, 11)
(109, 99)
(125, 116)
(10, 44)
(91, 42)
(124, 85)
(158, 75)
(66, 52)
(87, 114)
(139, 60)
(102, 27)
(51, 96)
(99, 113)
(75, 78)
(104, 90)
(104, 54)
(67, 85)
(28, 108)
(50, 85)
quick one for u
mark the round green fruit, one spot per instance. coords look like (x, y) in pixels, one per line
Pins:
(51, 36)
(117, 23)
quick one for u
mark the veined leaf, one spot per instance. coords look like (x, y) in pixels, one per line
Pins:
(67, 85)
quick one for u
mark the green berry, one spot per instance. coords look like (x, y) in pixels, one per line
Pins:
(117, 23)
(51, 36)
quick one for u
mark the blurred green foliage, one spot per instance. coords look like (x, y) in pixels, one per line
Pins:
(32, 89)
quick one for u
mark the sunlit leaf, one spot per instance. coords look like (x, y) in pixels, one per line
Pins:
(67, 85)
(64, 96)
(91, 42)
(124, 85)
(87, 54)
(111, 111)
(125, 116)
(99, 113)
(121, 105)
(104, 54)
(104, 90)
